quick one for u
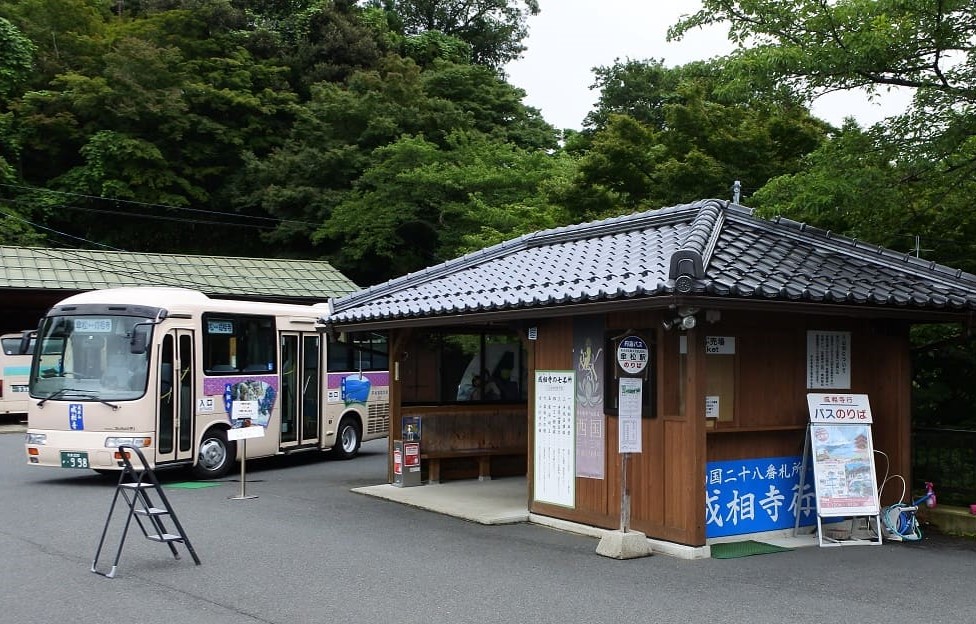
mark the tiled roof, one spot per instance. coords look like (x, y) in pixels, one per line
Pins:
(707, 248)
(76, 269)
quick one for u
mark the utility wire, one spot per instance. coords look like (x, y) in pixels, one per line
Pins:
(21, 187)
(58, 232)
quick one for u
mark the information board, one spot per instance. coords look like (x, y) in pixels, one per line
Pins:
(828, 360)
(843, 455)
(554, 459)
(629, 415)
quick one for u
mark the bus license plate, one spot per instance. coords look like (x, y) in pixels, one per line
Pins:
(18, 388)
(74, 459)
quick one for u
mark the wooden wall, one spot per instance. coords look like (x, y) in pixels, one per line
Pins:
(666, 480)
(770, 406)
(764, 409)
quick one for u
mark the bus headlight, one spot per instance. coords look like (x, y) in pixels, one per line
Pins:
(36, 438)
(136, 442)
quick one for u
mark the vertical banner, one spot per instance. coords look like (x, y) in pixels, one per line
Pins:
(588, 357)
(554, 456)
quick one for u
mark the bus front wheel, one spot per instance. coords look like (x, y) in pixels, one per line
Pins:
(347, 440)
(216, 455)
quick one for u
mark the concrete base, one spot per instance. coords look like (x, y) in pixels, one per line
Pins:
(620, 545)
(949, 520)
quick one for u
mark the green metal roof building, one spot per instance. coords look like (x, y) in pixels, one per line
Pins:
(32, 279)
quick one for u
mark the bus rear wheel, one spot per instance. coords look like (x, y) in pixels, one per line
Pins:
(216, 455)
(348, 439)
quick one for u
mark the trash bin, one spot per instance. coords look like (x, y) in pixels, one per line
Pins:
(406, 463)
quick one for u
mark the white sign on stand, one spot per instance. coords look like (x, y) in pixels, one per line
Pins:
(839, 444)
(243, 412)
(245, 433)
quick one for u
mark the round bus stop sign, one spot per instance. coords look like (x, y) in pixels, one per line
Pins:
(632, 354)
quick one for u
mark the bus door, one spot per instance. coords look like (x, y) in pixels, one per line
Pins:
(301, 390)
(176, 402)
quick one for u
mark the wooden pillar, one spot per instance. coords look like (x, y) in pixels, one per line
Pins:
(397, 346)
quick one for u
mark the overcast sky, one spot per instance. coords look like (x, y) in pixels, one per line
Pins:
(570, 37)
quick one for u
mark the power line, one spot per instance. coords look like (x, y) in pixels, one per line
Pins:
(58, 232)
(168, 218)
(153, 217)
(153, 205)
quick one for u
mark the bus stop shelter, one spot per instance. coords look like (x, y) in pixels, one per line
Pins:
(738, 319)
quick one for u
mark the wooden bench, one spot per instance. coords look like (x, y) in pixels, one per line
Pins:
(482, 455)
(464, 441)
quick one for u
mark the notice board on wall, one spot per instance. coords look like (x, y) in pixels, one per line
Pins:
(554, 453)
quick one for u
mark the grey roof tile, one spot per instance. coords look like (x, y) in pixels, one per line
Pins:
(709, 248)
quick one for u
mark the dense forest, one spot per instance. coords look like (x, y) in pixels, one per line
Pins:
(382, 135)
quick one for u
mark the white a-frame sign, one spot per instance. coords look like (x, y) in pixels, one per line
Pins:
(839, 443)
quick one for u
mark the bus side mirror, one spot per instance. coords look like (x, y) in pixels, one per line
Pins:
(139, 340)
(25, 343)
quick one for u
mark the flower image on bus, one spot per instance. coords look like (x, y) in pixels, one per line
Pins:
(15, 361)
(171, 371)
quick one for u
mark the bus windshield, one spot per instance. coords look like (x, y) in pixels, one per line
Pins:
(91, 358)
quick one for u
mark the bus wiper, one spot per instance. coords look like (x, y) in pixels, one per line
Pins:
(84, 395)
(55, 395)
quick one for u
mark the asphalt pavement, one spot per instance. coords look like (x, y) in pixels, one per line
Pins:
(309, 549)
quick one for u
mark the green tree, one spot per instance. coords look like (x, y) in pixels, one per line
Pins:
(494, 29)
(638, 89)
(912, 174)
(833, 183)
(661, 136)
(67, 35)
(342, 131)
(813, 47)
(420, 203)
(328, 43)
(162, 119)
(16, 58)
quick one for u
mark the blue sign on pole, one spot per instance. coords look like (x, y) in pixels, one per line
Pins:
(76, 416)
(755, 495)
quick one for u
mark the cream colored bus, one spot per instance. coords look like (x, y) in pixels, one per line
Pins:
(172, 371)
(15, 360)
